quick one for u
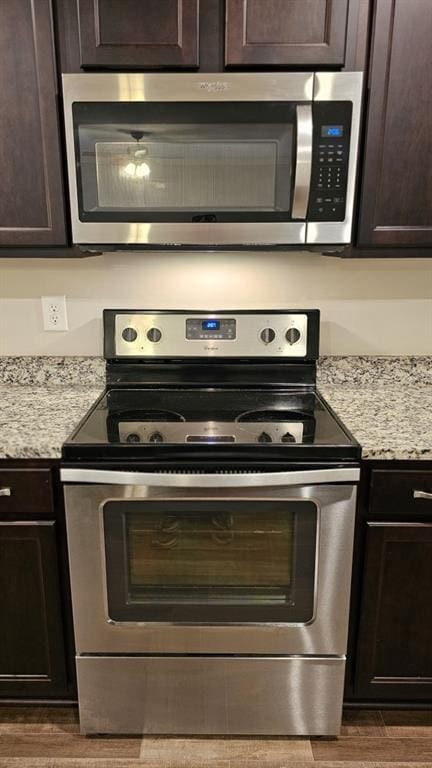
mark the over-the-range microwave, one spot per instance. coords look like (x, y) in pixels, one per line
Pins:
(212, 161)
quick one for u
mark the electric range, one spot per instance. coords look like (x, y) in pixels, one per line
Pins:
(210, 503)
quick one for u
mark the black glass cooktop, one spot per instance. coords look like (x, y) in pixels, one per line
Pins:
(203, 423)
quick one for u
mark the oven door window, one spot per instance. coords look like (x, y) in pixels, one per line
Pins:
(211, 561)
(175, 162)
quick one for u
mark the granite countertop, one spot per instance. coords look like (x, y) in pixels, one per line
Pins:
(385, 402)
(35, 420)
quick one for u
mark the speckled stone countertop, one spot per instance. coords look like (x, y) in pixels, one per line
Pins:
(385, 402)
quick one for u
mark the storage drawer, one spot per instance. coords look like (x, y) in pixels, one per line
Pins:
(392, 492)
(25, 493)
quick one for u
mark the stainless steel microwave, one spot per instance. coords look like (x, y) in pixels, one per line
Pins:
(214, 160)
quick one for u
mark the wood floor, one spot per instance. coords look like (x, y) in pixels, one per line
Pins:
(37, 737)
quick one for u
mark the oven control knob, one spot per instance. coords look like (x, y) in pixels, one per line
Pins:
(267, 335)
(154, 335)
(156, 437)
(292, 335)
(133, 438)
(264, 437)
(129, 334)
(288, 438)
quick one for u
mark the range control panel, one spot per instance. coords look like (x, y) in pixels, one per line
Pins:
(145, 334)
(330, 159)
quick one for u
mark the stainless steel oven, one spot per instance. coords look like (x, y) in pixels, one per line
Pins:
(210, 500)
(176, 575)
(228, 160)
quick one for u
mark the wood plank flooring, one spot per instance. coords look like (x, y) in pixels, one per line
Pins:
(48, 737)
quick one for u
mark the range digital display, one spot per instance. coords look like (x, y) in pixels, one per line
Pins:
(332, 131)
(210, 325)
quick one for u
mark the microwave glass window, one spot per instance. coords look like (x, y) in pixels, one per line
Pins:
(227, 160)
(222, 561)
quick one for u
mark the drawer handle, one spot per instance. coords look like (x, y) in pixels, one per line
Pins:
(422, 495)
(5, 492)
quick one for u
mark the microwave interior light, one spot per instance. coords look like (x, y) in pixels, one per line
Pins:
(137, 170)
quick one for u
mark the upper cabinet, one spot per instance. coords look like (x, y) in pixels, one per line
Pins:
(284, 33)
(138, 34)
(396, 201)
(31, 203)
(210, 35)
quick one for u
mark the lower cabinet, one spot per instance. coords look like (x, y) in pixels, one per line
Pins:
(390, 649)
(394, 653)
(35, 656)
(32, 659)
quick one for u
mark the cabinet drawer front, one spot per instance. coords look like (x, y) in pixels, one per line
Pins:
(393, 492)
(25, 493)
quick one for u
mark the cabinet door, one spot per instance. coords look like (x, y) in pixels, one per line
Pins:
(32, 653)
(394, 650)
(138, 34)
(396, 201)
(31, 201)
(285, 32)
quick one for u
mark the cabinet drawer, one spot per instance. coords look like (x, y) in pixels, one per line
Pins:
(392, 492)
(25, 493)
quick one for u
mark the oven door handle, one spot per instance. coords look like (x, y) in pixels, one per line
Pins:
(229, 480)
(303, 169)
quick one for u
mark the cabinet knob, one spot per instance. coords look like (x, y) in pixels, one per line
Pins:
(5, 492)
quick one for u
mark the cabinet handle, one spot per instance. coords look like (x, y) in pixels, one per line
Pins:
(422, 495)
(5, 492)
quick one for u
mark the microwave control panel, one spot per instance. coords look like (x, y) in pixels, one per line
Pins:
(330, 158)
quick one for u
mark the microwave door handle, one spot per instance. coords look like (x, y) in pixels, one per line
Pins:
(303, 167)
(229, 480)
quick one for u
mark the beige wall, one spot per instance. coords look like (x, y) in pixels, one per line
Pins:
(368, 306)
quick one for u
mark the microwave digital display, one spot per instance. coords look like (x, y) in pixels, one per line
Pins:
(332, 131)
(211, 325)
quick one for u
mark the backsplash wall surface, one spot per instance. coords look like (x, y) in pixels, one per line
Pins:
(368, 307)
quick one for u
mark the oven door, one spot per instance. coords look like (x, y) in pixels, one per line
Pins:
(178, 159)
(241, 564)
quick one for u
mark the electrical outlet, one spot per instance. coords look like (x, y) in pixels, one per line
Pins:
(54, 313)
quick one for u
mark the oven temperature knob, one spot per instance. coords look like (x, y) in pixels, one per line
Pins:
(133, 438)
(292, 335)
(129, 334)
(264, 437)
(154, 335)
(156, 437)
(267, 335)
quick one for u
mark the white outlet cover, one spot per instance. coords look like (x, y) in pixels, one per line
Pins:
(54, 313)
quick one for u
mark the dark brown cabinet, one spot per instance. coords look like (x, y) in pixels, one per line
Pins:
(32, 201)
(390, 646)
(32, 660)
(138, 34)
(285, 33)
(396, 200)
(394, 658)
(211, 35)
(34, 657)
